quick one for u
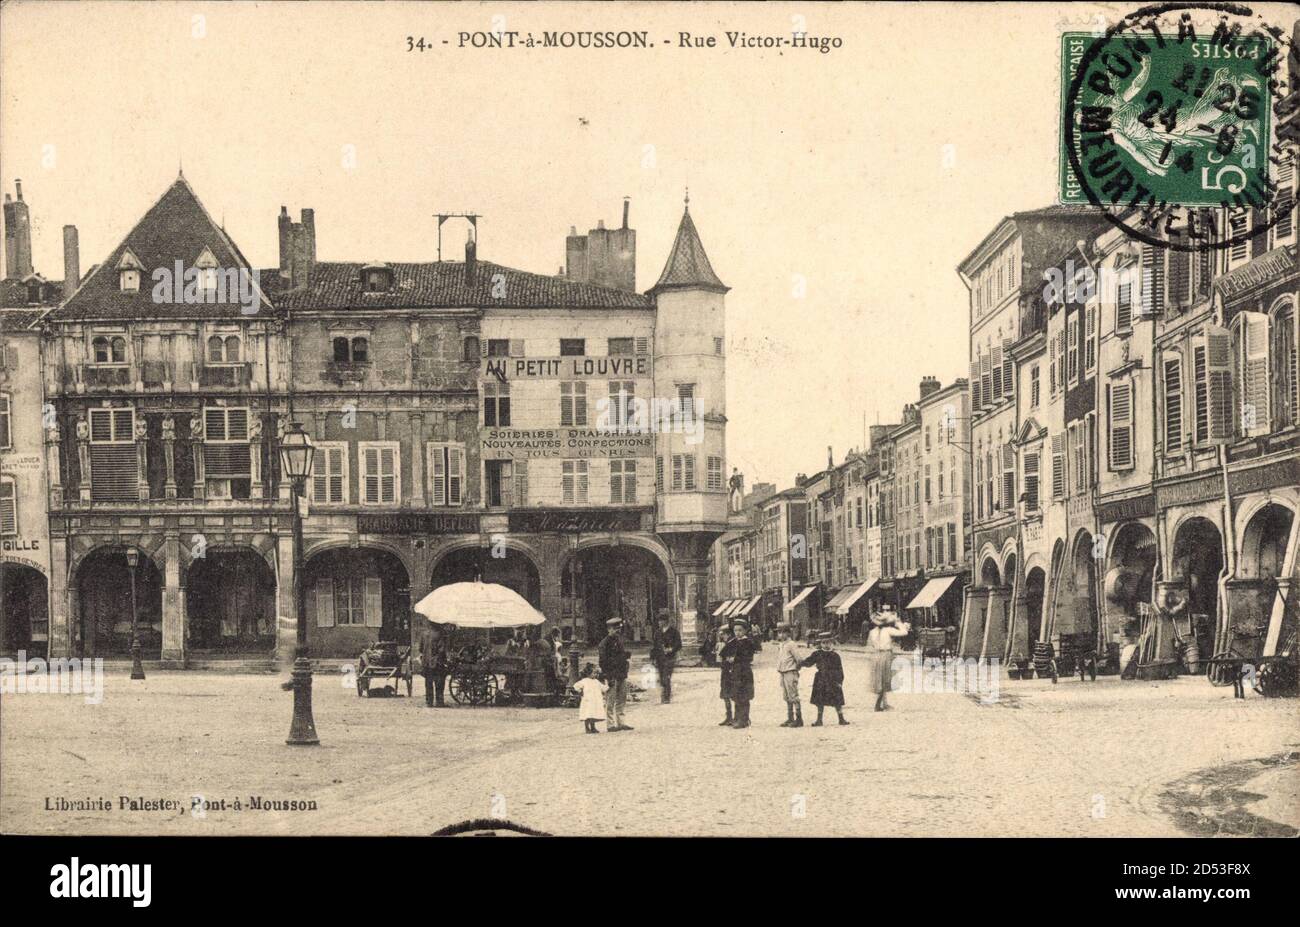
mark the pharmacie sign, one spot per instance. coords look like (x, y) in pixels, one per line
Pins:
(612, 367)
(531, 443)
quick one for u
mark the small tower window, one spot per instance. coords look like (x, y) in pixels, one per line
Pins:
(207, 267)
(128, 270)
(376, 278)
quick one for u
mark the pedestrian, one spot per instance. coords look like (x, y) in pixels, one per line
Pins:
(664, 655)
(560, 669)
(724, 684)
(787, 667)
(434, 662)
(880, 653)
(591, 709)
(828, 684)
(739, 653)
(614, 664)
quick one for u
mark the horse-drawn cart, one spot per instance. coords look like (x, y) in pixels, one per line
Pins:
(385, 663)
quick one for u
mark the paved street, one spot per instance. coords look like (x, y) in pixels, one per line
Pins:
(1105, 759)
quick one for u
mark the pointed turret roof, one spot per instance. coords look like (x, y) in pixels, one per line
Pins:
(176, 228)
(688, 266)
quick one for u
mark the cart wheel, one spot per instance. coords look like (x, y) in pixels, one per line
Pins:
(1276, 678)
(1219, 673)
(457, 689)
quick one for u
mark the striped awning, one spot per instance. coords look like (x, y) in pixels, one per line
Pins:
(722, 609)
(747, 606)
(797, 600)
(848, 596)
(931, 592)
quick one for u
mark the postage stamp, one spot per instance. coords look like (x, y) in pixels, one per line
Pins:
(1171, 110)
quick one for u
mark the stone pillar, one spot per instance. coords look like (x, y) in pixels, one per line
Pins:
(996, 618)
(196, 448)
(53, 468)
(60, 600)
(1017, 649)
(255, 455)
(692, 577)
(83, 458)
(417, 460)
(286, 624)
(173, 603)
(971, 636)
(169, 453)
(552, 600)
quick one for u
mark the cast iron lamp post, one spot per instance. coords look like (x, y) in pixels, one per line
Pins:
(137, 668)
(296, 452)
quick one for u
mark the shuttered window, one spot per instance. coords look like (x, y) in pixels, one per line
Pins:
(573, 404)
(1173, 405)
(1252, 373)
(520, 469)
(1058, 466)
(1009, 477)
(446, 474)
(659, 474)
(714, 477)
(622, 481)
(1031, 482)
(1239, 252)
(225, 443)
(380, 478)
(1008, 370)
(1089, 341)
(1214, 386)
(975, 391)
(6, 429)
(1153, 280)
(1121, 426)
(1180, 277)
(1072, 350)
(995, 363)
(1124, 307)
(1285, 200)
(622, 400)
(8, 507)
(573, 481)
(329, 473)
(114, 467)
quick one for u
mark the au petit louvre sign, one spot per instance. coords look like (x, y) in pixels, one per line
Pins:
(566, 368)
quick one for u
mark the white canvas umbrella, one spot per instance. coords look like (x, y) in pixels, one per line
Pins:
(478, 605)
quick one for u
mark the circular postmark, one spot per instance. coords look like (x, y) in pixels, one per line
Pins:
(1170, 123)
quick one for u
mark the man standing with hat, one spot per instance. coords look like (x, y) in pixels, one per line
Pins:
(614, 663)
(738, 654)
(664, 654)
(434, 661)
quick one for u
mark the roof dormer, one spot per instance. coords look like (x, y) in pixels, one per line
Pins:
(376, 277)
(128, 272)
(206, 263)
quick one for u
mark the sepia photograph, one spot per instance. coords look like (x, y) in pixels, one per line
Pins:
(885, 417)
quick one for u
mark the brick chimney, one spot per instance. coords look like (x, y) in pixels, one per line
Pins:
(18, 236)
(71, 261)
(929, 385)
(605, 257)
(297, 247)
(830, 458)
(471, 259)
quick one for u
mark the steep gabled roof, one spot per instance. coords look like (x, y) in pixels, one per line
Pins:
(176, 228)
(335, 285)
(688, 266)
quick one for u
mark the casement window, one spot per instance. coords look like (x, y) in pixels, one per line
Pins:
(1179, 265)
(1089, 341)
(573, 404)
(620, 346)
(349, 600)
(714, 478)
(684, 472)
(686, 402)
(622, 481)
(573, 347)
(1251, 373)
(227, 460)
(329, 473)
(470, 349)
(1153, 280)
(1239, 252)
(1283, 231)
(1173, 370)
(573, 481)
(1120, 402)
(1009, 477)
(6, 419)
(108, 349)
(496, 404)
(659, 474)
(1058, 466)
(927, 483)
(1072, 350)
(223, 349)
(446, 474)
(498, 478)
(114, 466)
(8, 506)
(1031, 482)
(1212, 375)
(622, 403)
(1035, 387)
(520, 469)
(1285, 362)
(1124, 307)
(498, 347)
(354, 349)
(380, 472)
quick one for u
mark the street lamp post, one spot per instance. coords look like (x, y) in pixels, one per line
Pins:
(137, 668)
(296, 452)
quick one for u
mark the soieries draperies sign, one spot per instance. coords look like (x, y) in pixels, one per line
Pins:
(529, 443)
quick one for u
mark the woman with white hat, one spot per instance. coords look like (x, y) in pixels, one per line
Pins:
(880, 653)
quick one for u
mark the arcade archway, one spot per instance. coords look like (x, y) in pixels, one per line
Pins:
(230, 603)
(1035, 588)
(24, 610)
(1129, 579)
(1264, 543)
(1198, 562)
(354, 597)
(990, 575)
(616, 580)
(104, 604)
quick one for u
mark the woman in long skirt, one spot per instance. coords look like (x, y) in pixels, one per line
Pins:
(880, 653)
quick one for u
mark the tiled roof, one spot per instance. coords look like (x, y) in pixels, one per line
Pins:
(16, 293)
(334, 285)
(176, 228)
(18, 320)
(688, 265)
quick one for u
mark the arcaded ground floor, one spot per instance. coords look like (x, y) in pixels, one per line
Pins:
(1110, 758)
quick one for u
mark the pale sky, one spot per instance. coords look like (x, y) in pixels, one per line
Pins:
(826, 168)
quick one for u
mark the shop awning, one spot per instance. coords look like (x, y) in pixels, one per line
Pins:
(840, 596)
(734, 608)
(854, 593)
(722, 609)
(931, 592)
(795, 602)
(748, 606)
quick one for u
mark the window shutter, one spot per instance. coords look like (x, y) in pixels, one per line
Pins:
(581, 491)
(1173, 404)
(1058, 465)
(566, 404)
(1153, 280)
(1180, 277)
(8, 507)
(101, 425)
(320, 476)
(371, 484)
(1008, 371)
(438, 470)
(1124, 306)
(1256, 394)
(456, 474)
(1031, 481)
(975, 386)
(986, 378)
(1090, 338)
(616, 481)
(659, 474)
(1121, 426)
(374, 605)
(521, 482)
(325, 603)
(580, 405)
(996, 362)
(388, 474)
(1286, 203)
(214, 424)
(642, 345)
(237, 424)
(567, 480)
(1218, 404)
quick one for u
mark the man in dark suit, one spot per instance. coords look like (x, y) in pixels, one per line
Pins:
(434, 661)
(664, 654)
(614, 664)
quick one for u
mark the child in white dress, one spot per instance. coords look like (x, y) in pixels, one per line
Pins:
(592, 707)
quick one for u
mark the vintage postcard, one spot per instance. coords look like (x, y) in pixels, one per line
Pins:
(885, 418)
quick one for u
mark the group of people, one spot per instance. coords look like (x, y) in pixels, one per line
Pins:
(604, 693)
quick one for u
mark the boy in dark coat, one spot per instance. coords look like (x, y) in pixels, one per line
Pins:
(724, 687)
(739, 653)
(828, 684)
